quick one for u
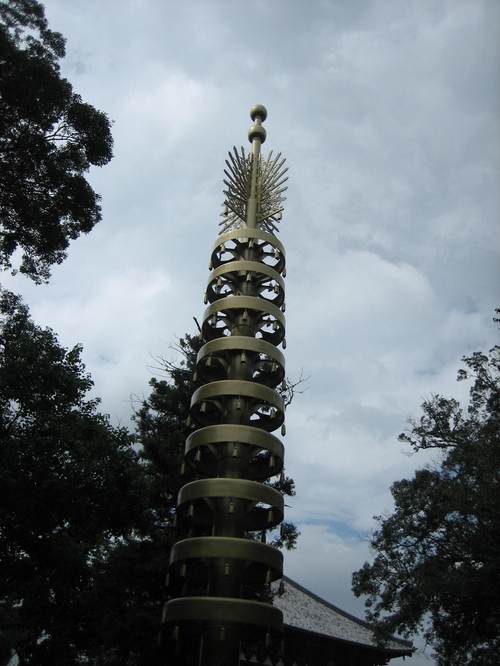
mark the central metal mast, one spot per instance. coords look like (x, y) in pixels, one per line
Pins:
(223, 565)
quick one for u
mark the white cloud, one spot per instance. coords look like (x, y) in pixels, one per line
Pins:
(387, 113)
(324, 562)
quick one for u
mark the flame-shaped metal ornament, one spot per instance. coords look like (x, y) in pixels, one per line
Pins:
(219, 570)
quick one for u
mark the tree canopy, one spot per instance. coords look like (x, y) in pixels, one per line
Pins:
(437, 563)
(72, 490)
(87, 518)
(130, 582)
(49, 137)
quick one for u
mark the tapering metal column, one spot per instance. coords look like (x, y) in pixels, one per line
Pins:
(216, 572)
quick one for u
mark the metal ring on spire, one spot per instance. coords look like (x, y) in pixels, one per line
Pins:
(232, 449)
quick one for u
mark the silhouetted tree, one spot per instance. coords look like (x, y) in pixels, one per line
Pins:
(437, 564)
(72, 491)
(49, 138)
(131, 582)
(132, 587)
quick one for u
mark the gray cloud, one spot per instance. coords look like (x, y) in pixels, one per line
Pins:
(388, 114)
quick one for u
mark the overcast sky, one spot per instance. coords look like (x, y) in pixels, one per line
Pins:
(388, 113)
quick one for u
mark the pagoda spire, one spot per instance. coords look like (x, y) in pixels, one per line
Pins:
(221, 568)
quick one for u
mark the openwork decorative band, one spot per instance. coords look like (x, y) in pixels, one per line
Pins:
(223, 564)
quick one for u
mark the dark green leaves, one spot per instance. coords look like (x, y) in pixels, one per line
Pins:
(72, 488)
(49, 139)
(437, 565)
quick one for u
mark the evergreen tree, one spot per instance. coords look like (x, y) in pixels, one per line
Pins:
(49, 138)
(134, 576)
(72, 491)
(437, 564)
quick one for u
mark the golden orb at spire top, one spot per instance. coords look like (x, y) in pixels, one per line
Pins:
(258, 111)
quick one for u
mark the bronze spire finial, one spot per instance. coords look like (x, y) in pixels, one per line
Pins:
(255, 187)
(221, 566)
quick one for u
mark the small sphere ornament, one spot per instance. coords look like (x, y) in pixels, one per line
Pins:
(257, 132)
(258, 111)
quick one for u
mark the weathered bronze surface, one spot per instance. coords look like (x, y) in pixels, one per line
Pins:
(219, 570)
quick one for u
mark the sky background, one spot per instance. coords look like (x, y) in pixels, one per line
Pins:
(388, 114)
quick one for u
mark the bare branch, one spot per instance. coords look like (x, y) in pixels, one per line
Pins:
(290, 388)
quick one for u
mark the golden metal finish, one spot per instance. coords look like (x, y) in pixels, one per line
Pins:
(222, 611)
(214, 357)
(206, 446)
(226, 547)
(255, 187)
(225, 280)
(220, 566)
(253, 506)
(269, 321)
(245, 234)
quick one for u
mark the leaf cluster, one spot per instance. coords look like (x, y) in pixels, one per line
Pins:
(49, 138)
(72, 490)
(132, 586)
(437, 565)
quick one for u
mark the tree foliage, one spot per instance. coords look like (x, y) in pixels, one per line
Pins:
(49, 138)
(134, 576)
(86, 522)
(437, 564)
(72, 490)
(129, 581)
(131, 585)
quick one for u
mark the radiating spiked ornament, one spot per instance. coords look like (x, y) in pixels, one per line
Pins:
(220, 568)
(271, 186)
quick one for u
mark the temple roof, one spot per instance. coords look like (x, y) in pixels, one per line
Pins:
(304, 610)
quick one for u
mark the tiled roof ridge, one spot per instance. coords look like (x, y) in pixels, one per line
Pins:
(353, 618)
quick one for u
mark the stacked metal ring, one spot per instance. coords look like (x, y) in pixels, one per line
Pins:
(215, 571)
